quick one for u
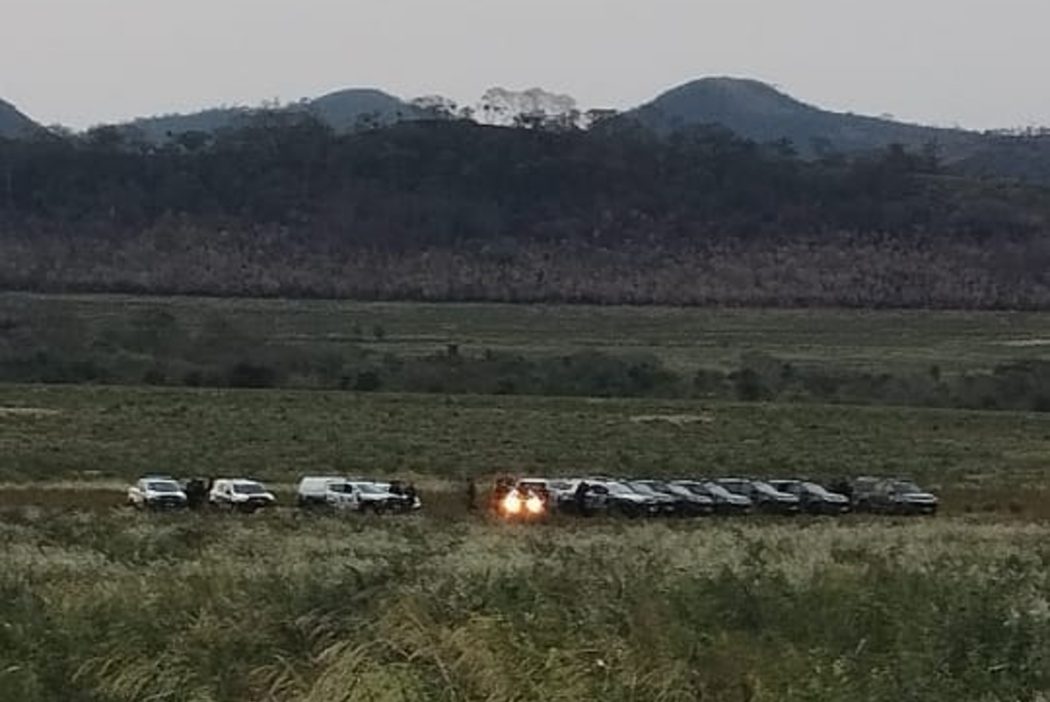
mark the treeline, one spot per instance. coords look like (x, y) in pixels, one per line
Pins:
(453, 210)
(154, 348)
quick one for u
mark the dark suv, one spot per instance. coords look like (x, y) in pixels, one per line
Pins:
(724, 501)
(764, 496)
(687, 504)
(892, 496)
(814, 498)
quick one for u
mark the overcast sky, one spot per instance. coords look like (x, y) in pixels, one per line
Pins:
(976, 63)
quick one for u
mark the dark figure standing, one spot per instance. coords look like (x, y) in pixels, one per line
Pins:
(196, 493)
(580, 498)
(502, 489)
(472, 495)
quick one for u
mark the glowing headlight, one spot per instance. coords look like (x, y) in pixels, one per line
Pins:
(512, 503)
(534, 505)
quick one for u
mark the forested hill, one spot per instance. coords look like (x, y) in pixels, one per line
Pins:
(343, 111)
(14, 124)
(758, 111)
(452, 210)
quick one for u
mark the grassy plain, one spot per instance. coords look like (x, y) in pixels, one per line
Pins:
(279, 607)
(95, 433)
(100, 604)
(683, 338)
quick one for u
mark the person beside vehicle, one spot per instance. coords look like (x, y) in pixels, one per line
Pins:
(472, 495)
(580, 498)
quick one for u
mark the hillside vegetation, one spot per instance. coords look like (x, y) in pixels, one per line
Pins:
(341, 111)
(755, 110)
(456, 211)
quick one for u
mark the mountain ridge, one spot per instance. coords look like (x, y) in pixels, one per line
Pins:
(759, 111)
(748, 107)
(13, 123)
(343, 110)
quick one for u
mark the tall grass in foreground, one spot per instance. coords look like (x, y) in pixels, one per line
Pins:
(116, 606)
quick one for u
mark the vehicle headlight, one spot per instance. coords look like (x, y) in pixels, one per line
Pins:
(512, 503)
(534, 505)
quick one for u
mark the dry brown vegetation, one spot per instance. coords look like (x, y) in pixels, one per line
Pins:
(452, 211)
(850, 270)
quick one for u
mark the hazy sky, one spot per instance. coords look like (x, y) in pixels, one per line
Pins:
(977, 63)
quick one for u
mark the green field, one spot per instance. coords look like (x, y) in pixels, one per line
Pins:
(683, 338)
(102, 604)
(278, 607)
(55, 433)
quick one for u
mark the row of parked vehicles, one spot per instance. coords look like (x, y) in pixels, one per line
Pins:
(357, 495)
(536, 497)
(161, 492)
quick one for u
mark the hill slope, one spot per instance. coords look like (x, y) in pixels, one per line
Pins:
(13, 123)
(345, 109)
(448, 210)
(157, 129)
(758, 111)
(342, 111)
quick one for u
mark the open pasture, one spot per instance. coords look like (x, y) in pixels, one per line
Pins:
(89, 433)
(684, 339)
(99, 604)
(123, 606)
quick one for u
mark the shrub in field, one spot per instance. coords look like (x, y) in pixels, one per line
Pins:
(247, 374)
(71, 341)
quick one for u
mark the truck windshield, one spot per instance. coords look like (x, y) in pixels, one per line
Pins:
(163, 486)
(248, 489)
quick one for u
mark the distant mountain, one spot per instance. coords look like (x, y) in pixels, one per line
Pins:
(14, 124)
(157, 129)
(760, 112)
(347, 109)
(749, 108)
(343, 110)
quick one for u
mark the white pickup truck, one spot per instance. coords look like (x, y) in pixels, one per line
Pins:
(156, 492)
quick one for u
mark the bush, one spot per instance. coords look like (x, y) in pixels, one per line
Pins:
(251, 375)
(367, 381)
